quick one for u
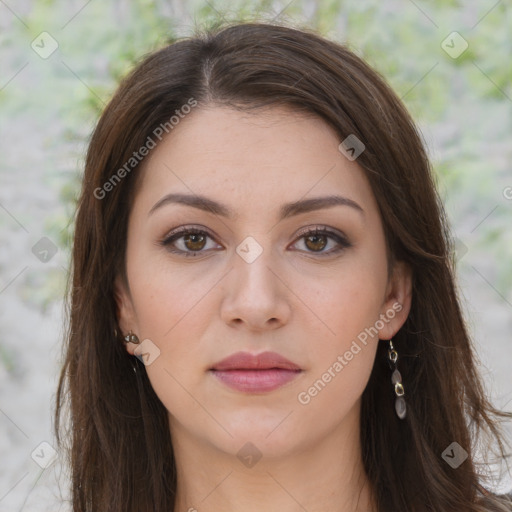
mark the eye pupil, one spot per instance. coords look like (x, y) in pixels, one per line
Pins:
(315, 239)
(192, 237)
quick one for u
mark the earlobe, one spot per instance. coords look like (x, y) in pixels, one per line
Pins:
(397, 305)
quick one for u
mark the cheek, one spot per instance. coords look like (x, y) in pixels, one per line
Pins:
(343, 359)
(341, 363)
(170, 308)
(348, 302)
(333, 394)
(165, 298)
(169, 314)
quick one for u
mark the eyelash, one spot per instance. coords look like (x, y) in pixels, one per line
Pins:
(319, 230)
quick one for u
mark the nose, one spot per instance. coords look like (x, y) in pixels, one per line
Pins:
(255, 294)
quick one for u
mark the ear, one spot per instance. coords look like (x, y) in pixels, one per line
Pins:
(126, 317)
(397, 304)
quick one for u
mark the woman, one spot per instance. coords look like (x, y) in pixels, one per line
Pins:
(263, 311)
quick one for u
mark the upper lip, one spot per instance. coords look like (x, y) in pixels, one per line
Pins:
(248, 361)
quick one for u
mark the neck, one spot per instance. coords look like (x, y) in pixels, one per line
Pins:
(326, 476)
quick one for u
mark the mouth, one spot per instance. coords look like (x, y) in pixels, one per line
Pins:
(256, 381)
(255, 373)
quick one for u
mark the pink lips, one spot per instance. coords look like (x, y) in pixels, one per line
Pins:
(255, 373)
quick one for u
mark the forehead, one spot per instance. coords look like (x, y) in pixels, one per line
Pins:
(252, 160)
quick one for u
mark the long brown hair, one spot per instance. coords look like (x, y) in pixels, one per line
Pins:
(117, 432)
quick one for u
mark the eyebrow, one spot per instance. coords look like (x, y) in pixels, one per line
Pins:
(287, 210)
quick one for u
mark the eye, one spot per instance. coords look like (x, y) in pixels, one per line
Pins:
(193, 241)
(317, 239)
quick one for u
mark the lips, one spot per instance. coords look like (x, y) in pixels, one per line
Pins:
(255, 373)
(247, 361)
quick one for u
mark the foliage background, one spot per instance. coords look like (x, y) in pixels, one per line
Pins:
(49, 107)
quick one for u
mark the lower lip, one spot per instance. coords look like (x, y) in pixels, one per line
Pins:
(255, 381)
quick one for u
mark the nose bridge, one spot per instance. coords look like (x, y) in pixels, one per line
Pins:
(255, 295)
(252, 261)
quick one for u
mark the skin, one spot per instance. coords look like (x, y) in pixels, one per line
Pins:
(292, 300)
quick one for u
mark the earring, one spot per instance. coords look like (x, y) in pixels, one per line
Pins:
(396, 379)
(132, 338)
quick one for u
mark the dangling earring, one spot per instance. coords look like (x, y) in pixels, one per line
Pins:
(396, 379)
(132, 338)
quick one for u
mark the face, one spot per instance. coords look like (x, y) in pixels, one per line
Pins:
(245, 271)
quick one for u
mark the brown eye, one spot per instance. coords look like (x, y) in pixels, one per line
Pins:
(316, 242)
(194, 242)
(187, 241)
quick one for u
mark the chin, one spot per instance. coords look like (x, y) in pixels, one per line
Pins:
(272, 434)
